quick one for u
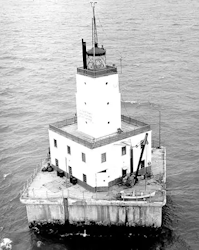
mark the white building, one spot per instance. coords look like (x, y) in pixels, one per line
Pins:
(98, 146)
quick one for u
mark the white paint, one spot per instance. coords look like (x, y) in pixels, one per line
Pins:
(114, 164)
(98, 103)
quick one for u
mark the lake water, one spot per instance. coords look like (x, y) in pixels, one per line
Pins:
(155, 45)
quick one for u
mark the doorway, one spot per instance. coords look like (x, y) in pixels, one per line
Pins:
(131, 160)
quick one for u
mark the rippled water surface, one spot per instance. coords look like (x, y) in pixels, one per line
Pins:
(155, 46)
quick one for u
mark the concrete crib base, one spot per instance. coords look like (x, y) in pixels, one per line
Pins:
(88, 213)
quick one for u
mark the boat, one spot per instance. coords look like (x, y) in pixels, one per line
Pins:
(136, 196)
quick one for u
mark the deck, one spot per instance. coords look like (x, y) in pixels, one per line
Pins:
(68, 129)
(47, 185)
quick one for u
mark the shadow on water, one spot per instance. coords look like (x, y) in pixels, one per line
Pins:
(104, 237)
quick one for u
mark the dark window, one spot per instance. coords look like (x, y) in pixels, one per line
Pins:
(142, 164)
(70, 170)
(107, 103)
(123, 150)
(108, 122)
(55, 143)
(106, 83)
(83, 157)
(124, 171)
(84, 82)
(56, 163)
(84, 178)
(68, 150)
(103, 157)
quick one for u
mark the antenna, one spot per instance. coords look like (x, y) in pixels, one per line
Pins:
(94, 31)
(94, 27)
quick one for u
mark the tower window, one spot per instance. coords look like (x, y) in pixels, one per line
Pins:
(108, 122)
(69, 150)
(85, 83)
(107, 103)
(85, 103)
(106, 83)
(84, 178)
(55, 143)
(83, 157)
(123, 150)
(103, 157)
(56, 163)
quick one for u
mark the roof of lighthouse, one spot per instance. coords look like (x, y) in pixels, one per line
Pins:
(97, 51)
(68, 128)
(94, 59)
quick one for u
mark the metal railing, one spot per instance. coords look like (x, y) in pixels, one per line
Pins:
(83, 196)
(56, 127)
(132, 121)
(99, 72)
(66, 122)
(24, 191)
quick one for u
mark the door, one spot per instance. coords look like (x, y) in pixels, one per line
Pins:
(131, 160)
(101, 179)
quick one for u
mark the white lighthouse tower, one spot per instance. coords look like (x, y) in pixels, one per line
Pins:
(99, 146)
(98, 99)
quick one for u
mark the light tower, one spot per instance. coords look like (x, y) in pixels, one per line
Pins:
(98, 100)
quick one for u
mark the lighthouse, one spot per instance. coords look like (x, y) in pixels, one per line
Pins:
(101, 168)
(99, 146)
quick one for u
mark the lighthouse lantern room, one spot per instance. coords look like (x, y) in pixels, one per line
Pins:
(99, 146)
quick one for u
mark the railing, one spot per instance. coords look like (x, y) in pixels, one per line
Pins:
(24, 190)
(132, 121)
(56, 127)
(66, 122)
(99, 72)
(84, 196)
(70, 136)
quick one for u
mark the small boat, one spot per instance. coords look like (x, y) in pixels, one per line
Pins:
(134, 196)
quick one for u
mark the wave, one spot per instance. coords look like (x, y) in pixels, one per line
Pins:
(131, 102)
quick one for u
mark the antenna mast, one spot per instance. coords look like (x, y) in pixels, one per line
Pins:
(94, 31)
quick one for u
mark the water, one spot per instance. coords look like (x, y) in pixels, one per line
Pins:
(40, 48)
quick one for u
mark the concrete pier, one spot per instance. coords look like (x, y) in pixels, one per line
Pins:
(50, 198)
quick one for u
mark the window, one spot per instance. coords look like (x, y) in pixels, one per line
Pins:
(55, 143)
(124, 172)
(106, 83)
(103, 157)
(56, 163)
(70, 170)
(84, 178)
(83, 157)
(142, 164)
(68, 150)
(124, 150)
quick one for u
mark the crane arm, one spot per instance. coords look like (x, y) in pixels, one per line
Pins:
(142, 151)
